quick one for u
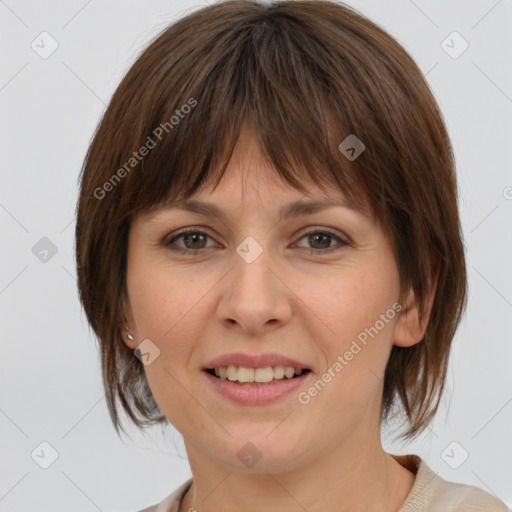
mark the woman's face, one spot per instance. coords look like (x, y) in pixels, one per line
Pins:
(255, 284)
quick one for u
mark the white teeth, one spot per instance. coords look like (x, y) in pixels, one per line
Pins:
(232, 372)
(261, 375)
(278, 372)
(289, 372)
(245, 374)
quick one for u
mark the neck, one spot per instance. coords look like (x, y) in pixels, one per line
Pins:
(350, 477)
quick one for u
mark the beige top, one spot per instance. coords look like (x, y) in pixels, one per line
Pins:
(430, 493)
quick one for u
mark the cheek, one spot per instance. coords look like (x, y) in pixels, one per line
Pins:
(161, 296)
(170, 309)
(358, 309)
(166, 309)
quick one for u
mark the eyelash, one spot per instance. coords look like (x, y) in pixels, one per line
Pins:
(188, 231)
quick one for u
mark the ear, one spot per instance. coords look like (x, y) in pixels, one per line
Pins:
(127, 325)
(411, 326)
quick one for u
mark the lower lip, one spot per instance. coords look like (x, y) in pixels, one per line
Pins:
(254, 394)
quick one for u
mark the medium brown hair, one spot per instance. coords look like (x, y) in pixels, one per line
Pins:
(305, 74)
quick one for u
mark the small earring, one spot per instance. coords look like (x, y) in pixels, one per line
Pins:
(128, 335)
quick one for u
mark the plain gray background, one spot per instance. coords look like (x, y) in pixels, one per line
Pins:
(50, 387)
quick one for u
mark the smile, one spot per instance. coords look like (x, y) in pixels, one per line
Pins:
(252, 392)
(246, 375)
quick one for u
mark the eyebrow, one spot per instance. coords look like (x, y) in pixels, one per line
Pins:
(291, 210)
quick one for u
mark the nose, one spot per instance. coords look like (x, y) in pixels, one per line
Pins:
(255, 298)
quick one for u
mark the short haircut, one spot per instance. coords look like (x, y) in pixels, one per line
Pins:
(305, 75)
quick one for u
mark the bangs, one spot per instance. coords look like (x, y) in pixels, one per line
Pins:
(275, 78)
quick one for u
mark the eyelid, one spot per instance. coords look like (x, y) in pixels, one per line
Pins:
(342, 240)
(185, 231)
(326, 230)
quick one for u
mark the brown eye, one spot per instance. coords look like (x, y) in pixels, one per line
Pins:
(193, 240)
(320, 242)
(197, 240)
(322, 239)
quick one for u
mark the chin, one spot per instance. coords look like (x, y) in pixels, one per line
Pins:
(261, 453)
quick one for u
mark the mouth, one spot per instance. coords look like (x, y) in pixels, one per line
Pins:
(265, 376)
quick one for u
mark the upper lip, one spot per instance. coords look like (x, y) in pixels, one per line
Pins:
(255, 361)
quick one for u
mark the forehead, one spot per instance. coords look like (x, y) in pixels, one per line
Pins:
(224, 203)
(250, 180)
(285, 210)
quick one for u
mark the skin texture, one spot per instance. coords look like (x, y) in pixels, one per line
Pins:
(326, 455)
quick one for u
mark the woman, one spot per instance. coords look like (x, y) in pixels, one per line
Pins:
(269, 251)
